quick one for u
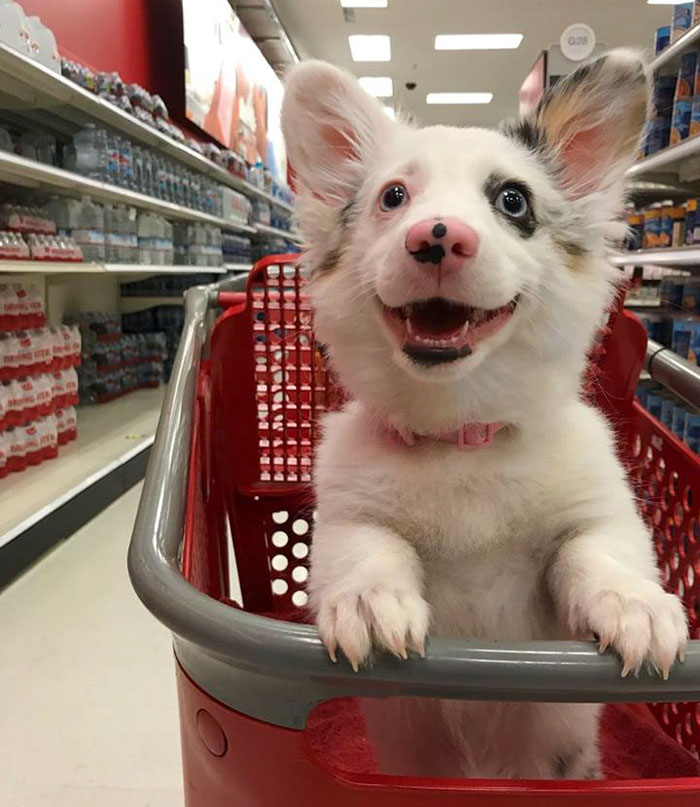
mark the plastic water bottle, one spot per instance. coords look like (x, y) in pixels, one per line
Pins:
(126, 163)
(90, 151)
(90, 233)
(114, 161)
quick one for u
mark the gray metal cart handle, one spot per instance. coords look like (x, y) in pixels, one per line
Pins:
(276, 671)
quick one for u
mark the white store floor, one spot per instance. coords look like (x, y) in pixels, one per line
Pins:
(88, 711)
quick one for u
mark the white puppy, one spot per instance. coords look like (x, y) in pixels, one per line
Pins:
(458, 279)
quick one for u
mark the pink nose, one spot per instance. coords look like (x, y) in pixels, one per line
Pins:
(444, 242)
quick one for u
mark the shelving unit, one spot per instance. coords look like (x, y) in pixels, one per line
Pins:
(667, 61)
(128, 305)
(43, 503)
(46, 98)
(59, 268)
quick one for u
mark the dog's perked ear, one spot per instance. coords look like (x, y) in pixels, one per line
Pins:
(591, 121)
(331, 126)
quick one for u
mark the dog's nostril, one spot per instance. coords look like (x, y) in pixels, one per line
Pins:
(439, 230)
(424, 245)
(459, 249)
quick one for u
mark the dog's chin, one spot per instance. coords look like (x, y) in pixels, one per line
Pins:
(442, 340)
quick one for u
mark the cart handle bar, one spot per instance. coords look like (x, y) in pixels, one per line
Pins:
(673, 372)
(291, 655)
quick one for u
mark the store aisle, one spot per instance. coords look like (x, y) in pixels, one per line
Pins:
(89, 712)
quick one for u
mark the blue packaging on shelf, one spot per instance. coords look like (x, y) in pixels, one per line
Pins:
(678, 421)
(685, 83)
(680, 123)
(654, 404)
(682, 20)
(667, 406)
(662, 39)
(691, 433)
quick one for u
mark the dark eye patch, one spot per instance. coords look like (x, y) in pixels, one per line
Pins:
(525, 225)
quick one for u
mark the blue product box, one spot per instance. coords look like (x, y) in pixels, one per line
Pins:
(682, 20)
(678, 421)
(680, 123)
(682, 336)
(662, 39)
(667, 406)
(654, 404)
(691, 433)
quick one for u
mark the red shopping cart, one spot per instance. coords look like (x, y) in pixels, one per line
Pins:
(230, 475)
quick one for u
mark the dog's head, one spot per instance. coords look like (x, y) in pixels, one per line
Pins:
(469, 258)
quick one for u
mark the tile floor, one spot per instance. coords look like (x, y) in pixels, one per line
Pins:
(88, 706)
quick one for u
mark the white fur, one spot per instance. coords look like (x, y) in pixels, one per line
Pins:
(534, 537)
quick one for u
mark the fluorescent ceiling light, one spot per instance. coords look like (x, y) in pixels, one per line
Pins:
(364, 3)
(477, 41)
(370, 48)
(378, 86)
(459, 97)
(665, 2)
(389, 112)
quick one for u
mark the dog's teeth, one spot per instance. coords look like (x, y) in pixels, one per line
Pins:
(409, 327)
(465, 328)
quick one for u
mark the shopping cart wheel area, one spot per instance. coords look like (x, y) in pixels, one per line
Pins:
(266, 718)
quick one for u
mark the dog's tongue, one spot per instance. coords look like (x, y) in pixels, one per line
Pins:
(437, 318)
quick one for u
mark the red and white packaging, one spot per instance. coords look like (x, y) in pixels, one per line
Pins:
(4, 455)
(44, 394)
(26, 351)
(58, 389)
(9, 356)
(48, 437)
(4, 406)
(16, 448)
(31, 443)
(43, 350)
(70, 380)
(67, 425)
(28, 407)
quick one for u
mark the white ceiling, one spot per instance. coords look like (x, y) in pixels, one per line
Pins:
(318, 30)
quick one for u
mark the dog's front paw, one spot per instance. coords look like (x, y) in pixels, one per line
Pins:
(643, 623)
(391, 620)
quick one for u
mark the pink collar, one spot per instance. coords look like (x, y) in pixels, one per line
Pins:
(468, 437)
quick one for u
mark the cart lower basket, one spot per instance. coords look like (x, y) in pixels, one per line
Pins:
(230, 472)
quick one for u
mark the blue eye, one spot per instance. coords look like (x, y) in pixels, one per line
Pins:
(393, 196)
(512, 202)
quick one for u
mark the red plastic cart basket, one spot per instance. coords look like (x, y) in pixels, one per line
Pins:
(230, 472)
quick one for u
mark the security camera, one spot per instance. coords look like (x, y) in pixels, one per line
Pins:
(410, 85)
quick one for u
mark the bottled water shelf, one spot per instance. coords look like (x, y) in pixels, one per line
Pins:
(109, 435)
(682, 256)
(74, 267)
(39, 176)
(127, 305)
(264, 229)
(48, 99)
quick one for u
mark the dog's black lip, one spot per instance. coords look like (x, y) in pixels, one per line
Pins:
(431, 356)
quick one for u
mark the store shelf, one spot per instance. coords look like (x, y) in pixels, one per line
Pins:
(264, 229)
(669, 58)
(39, 176)
(683, 256)
(238, 267)
(667, 160)
(40, 94)
(127, 305)
(109, 435)
(61, 268)
(642, 302)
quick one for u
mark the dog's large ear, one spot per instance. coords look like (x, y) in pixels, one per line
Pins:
(331, 126)
(592, 120)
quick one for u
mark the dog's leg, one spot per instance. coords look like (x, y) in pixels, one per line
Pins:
(600, 587)
(365, 588)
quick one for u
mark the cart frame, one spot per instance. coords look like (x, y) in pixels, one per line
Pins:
(277, 671)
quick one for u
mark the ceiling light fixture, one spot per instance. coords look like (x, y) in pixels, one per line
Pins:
(477, 41)
(459, 98)
(364, 3)
(378, 86)
(389, 112)
(664, 2)
(370, 48)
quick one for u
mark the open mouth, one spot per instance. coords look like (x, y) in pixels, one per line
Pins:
(437, 330)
